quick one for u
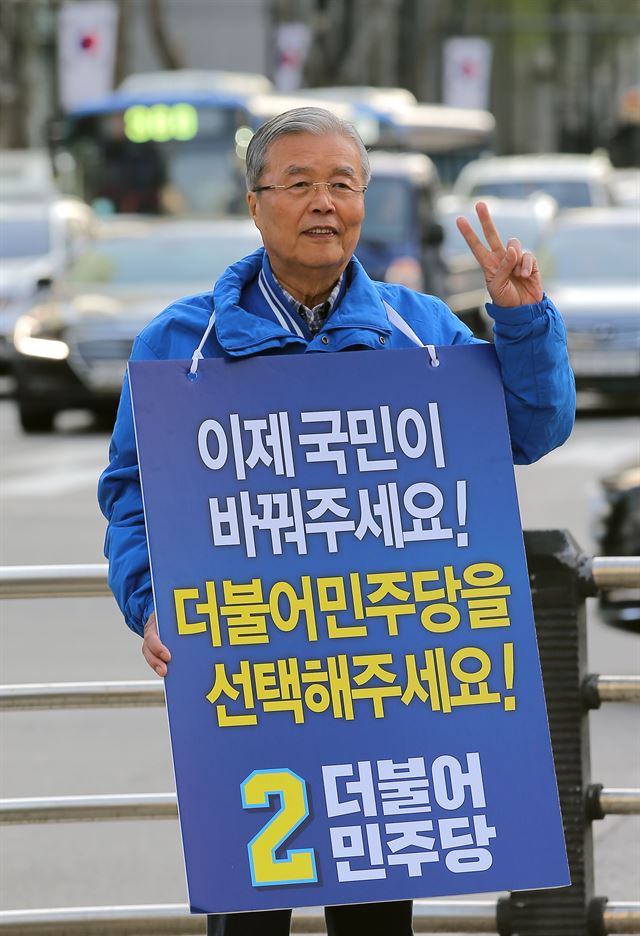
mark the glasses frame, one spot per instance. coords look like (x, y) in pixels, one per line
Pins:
(351, 189)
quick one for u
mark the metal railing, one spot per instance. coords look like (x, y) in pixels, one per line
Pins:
(601, 802)
(143, 692)
(81, 695)
(54, 581)
(583, 914)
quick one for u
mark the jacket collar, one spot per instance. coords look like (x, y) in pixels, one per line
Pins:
(270, 321)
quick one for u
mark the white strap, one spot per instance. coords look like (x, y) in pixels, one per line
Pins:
(396, 319)
(197, 354)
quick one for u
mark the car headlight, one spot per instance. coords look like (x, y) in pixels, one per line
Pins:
(36, 338)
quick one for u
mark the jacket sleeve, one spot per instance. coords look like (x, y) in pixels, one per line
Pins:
(539, 386)
(120, 499)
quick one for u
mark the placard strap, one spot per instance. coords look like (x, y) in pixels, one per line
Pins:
(396, 319)
(197, 354)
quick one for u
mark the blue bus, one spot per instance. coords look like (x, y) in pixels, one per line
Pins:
(168, 142)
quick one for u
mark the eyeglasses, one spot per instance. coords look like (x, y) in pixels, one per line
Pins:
(302, 190)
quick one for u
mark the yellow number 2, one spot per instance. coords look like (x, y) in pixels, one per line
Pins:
(298, 866)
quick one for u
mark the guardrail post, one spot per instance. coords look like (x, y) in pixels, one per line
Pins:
(560, 582)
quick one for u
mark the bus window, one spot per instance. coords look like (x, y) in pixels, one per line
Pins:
(155, 159)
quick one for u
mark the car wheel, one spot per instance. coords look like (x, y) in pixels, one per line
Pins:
(105, 418)
(36, 418)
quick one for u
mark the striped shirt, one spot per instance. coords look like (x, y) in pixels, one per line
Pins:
(316, 317)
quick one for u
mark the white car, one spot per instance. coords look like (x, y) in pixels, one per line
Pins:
(70, 348)
(37, 242)
(574, 181)
(590, 264)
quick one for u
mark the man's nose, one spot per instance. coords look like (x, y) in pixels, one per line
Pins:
(321, 198)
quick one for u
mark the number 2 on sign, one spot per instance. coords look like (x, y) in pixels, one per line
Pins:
(298, 866)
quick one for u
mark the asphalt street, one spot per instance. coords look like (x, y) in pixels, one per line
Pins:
(49, 515)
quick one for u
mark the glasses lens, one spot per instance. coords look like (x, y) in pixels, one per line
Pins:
(335, 189)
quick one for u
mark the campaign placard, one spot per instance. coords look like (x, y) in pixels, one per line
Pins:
(355, 700)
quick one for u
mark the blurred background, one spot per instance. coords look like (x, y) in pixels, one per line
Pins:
(125, 127)
(556, 74)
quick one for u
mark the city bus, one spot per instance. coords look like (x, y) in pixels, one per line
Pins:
(163, 143)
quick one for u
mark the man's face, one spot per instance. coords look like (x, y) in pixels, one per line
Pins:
(316, 235)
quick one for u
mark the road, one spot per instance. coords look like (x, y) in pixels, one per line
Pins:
(49, 515)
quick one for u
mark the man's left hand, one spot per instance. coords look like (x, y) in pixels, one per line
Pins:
(511, 273)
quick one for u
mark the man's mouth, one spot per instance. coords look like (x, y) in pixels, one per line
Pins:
(321, 231)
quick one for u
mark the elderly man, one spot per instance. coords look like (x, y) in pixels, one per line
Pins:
(307, 173)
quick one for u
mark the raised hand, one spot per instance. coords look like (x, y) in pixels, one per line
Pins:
(511, 273)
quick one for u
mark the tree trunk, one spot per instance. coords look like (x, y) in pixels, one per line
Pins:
(165, 47)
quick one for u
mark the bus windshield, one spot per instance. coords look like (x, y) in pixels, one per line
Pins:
(161, 158)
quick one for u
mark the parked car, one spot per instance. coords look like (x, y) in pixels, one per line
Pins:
(618, 534)
(574, 181)
(590, 264)
(71, 349)
(401, 233)
(37, 241)
(464, 287)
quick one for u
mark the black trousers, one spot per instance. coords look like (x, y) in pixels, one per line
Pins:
(376, 919)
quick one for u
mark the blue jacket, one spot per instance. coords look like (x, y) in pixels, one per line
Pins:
(248, 314)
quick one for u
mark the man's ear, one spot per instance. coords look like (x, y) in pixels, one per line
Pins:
(252, 202)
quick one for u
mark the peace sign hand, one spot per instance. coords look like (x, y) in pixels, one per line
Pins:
(511, 273)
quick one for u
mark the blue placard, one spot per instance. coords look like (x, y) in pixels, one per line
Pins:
(354, 697)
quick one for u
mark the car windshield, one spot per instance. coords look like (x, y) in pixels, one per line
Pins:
(387, 211)
(129, 260)
(568, 193)
(592, 254)
(24, 237)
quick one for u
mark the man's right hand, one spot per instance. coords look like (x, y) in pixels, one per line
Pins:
(153, 650)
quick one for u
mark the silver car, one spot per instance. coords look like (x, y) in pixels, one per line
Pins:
(38, 240)
(71, 349)
(590, 265)
(573, 180)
